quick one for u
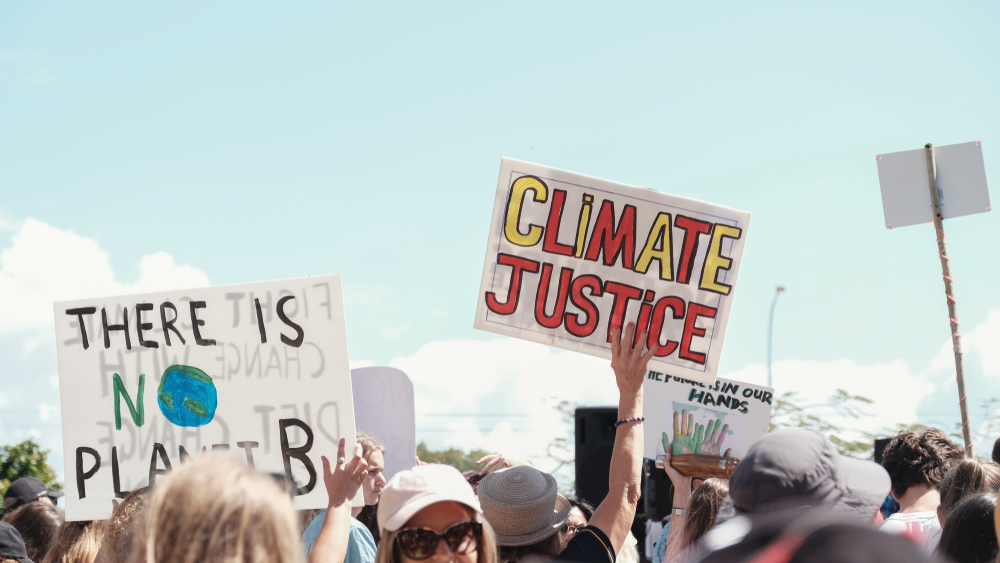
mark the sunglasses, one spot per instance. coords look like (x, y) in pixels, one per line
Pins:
(419, 544)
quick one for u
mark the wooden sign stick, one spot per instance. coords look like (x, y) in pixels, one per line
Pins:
(956, 338)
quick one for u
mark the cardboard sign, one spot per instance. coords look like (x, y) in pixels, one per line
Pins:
(383, 408)
(256, 371)
(710, 419)
(570, 257)
(906, 195)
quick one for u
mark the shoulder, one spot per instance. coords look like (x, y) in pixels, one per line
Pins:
(589, 545)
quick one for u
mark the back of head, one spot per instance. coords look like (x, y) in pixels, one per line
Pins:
(216, 509)
(37, 522)
(969, 535)
(116, 544)
(919, 458)
(702, 508)
(967, 477)
(76, 542)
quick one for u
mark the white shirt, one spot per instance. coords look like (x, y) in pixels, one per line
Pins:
(921, 527)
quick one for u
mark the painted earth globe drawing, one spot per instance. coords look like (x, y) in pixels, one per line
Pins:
(187, 396)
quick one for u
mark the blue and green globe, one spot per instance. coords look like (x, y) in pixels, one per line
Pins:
(187, 396)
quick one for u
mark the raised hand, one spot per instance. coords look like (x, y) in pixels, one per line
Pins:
(343, 481)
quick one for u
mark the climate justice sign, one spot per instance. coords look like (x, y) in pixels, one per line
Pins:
(256, 371)
(570, 257)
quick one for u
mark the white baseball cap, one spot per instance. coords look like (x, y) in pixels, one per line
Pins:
(410, 491)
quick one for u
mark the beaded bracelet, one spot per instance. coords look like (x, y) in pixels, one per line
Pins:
(624, 420)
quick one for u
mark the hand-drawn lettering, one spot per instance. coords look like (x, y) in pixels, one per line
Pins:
(80, 312)
(138, 414)
(111, 328)
(197, 323)
(81, 475)
(141, 326)
(299, 334)
(299, 453)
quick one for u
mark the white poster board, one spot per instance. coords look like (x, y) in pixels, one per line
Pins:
(736, 413)
(906, 194)
(383, 407)
(257, 371)
(570, 256)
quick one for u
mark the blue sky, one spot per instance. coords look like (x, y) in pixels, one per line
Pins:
(263, 141)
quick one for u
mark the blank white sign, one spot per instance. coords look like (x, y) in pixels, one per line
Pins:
(961, 180)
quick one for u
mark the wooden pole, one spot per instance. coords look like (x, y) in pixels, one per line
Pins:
(956, 338)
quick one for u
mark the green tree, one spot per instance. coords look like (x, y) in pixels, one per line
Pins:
(26, 459)
(454, 457)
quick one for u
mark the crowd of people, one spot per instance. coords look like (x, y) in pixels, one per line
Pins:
(792, 498)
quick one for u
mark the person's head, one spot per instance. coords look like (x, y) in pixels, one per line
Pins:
(996, 451)
(116, 544)
(429, 513)
(76, 542)
(526, 511)
(473, 478)
(701, 509)
(801, 467)
(580, 514)
(374, 453)
(969, 535)
(11, 545)
(968, 476)
(25, 490)
(919, 459)
(37, 522)
(216, 509)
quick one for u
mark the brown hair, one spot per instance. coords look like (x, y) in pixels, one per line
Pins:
(548, 548)
(969, 535)
(76, 542)
(116, 545)
(486, 552)
(701, 509)
(216, 509)
(919, 458)
(967, 477)
(368, 443)
(37, 522)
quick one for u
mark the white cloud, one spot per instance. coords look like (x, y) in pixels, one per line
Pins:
(46, 264)
(895, 391)
(981, 340)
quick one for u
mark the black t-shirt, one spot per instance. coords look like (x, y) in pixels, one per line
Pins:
(589, 545)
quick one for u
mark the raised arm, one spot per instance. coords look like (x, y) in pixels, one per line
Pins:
(342, 483)
(614, 516)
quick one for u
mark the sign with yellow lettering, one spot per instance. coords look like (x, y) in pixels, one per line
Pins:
(570, 257)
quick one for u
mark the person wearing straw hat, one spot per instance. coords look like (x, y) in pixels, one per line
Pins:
(527, 513)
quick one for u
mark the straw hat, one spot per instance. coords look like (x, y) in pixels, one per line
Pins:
(522, 505)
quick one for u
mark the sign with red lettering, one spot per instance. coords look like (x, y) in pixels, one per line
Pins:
(570, 257)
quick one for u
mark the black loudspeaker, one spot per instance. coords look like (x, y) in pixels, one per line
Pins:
(880, 445)
(595, 442)
(658, 494)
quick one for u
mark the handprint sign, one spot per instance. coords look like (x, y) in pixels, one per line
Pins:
(691, 438)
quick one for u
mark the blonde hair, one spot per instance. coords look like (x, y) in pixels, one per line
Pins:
(486, 552)
(216, 509)
(369, 443)
(116, 544)
(76, 542)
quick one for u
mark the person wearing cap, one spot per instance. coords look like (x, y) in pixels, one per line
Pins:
(11, 544)
(785, 475)
(25, 490)
(529, 515)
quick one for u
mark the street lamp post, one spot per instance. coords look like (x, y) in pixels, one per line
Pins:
(770, 327)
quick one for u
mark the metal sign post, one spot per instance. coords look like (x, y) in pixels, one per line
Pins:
(956, 338)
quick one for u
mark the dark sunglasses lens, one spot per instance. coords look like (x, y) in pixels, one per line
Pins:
(462, 538)
(417, 544)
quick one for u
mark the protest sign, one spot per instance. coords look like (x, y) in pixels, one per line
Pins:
(383, 408)
(960, 179)
(570, 257)
(258, 372)
(692, 417)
